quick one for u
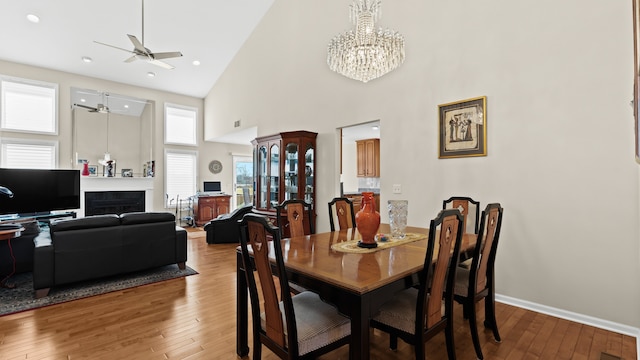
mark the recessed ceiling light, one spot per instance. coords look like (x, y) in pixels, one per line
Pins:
(83, 100)
(375, 127)
(151, 74)
(126, 106)
(87, 59)
(196, 62)
(33, 18)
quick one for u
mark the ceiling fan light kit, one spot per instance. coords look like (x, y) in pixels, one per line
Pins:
(140, 52)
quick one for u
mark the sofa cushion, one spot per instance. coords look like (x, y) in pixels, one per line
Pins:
(135, 218)
(89, 222)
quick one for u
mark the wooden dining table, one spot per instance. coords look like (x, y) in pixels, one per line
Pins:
(356, 283)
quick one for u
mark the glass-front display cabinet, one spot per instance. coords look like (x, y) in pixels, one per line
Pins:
(285, 165)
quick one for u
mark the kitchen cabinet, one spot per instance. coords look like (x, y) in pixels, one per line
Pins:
(368, 153)
(207, 208)
(284, 169)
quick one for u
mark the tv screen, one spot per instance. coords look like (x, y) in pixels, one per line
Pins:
(212, 186)
(37, 191)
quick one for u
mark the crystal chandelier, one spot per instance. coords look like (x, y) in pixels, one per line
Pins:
(367, 53)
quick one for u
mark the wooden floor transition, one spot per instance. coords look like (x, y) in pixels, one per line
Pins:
(194, 318)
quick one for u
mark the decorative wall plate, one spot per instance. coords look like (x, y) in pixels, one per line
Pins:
(215, 167)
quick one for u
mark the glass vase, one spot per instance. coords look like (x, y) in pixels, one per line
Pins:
(398, 217)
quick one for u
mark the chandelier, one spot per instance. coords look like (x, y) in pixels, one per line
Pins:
(367, 53)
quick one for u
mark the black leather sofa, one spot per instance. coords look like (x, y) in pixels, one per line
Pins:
(225, 229)
(105, 245)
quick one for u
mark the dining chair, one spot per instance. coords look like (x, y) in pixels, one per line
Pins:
(293, 327)
(299, 218)
(343, 213)
(477, 282)
(417, 314)
(468, 208)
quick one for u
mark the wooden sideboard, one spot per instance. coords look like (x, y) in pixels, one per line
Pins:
(206, 208)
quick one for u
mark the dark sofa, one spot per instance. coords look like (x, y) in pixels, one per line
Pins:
(22, 248)
(105, 245)
(225, 229)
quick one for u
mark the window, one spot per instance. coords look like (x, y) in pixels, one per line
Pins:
(180, 125)
(180, 175)
(28, 105)
(28, 154)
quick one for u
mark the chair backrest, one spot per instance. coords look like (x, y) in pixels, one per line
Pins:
(253, 230)
(484, 254)
(299, 217)
(469, 208)
(437, 279)
(343, 213)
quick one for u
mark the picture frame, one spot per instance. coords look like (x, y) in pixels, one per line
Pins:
(93, 170)
(463, 128)
(126, 173)
(636, 74)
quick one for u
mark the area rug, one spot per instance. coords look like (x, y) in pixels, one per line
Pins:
(22, 297)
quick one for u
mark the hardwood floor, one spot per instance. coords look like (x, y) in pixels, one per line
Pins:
(194, 318)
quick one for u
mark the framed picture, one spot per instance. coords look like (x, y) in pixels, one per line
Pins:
(93, 170)
(127, 173)
(463, 128)
(636, 73)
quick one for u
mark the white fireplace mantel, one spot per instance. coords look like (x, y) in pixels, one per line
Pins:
(91, 183)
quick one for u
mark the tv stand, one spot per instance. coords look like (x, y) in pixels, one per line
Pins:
(42, 217)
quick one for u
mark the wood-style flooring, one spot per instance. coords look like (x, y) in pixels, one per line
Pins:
(194, 318)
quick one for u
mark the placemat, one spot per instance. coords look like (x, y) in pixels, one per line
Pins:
(351, 246)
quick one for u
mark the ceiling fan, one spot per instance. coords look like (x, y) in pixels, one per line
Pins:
(100, 108)
(141, 52)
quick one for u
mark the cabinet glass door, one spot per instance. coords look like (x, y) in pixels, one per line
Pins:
(309, 172)
(262, 175)
(291, 172)
(274, 179)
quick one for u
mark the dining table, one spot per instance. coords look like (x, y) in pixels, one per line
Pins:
(356, 282)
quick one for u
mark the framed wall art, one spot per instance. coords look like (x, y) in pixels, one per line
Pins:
(463, 128)
(93, 170)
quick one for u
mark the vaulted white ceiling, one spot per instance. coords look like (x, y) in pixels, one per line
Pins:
(209, 31)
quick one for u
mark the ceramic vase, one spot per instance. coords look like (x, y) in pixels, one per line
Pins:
(85, 169)
(368, 221)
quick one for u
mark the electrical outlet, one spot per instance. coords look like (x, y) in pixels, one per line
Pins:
(397, 188)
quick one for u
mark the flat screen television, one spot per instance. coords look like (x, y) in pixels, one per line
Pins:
(212, 186)
(39, 191)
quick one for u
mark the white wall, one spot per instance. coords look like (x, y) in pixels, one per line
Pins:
(207, 151)
(558, 76)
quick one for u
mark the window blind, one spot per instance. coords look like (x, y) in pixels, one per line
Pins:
(180, 175)
(28, 106)
(28, 156)
(180, 125)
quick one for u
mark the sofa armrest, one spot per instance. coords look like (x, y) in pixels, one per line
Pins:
(43, 262)
(181, 245)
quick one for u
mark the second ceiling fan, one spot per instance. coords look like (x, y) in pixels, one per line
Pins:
(141, 52)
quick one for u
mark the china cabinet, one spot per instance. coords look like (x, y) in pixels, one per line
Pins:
(368, 152)
(284, 169)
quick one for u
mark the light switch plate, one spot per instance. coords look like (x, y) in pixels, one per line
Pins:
(397, 188)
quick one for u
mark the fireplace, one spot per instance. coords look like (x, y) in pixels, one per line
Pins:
(113, 202)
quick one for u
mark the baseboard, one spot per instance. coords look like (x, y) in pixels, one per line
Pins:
(572, 316)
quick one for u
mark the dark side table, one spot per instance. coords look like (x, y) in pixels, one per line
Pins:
(8, 234)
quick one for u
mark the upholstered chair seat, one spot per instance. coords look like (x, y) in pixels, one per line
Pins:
(400, 312)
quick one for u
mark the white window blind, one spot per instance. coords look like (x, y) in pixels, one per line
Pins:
(26, 155)
(28, 106)
(180, 125)
(180, 175)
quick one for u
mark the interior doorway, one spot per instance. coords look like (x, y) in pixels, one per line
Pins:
(242, 181)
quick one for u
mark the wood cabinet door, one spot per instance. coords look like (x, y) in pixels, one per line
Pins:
(361, 152)
(372, 156)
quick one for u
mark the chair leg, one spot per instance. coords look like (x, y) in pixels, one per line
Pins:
(448, 334)
(490, 316)
(473, 327)
(393, 342)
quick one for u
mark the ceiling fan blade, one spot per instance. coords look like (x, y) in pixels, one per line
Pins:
(161, 64)
(115, 47)
(166, 55)
(128, 60)
(92, 109)
(138, 45)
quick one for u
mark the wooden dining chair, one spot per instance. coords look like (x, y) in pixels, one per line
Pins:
(343, 213)
(469, 208)
(416, 315)
(298, 214)
(477, 282)
(293, 327)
